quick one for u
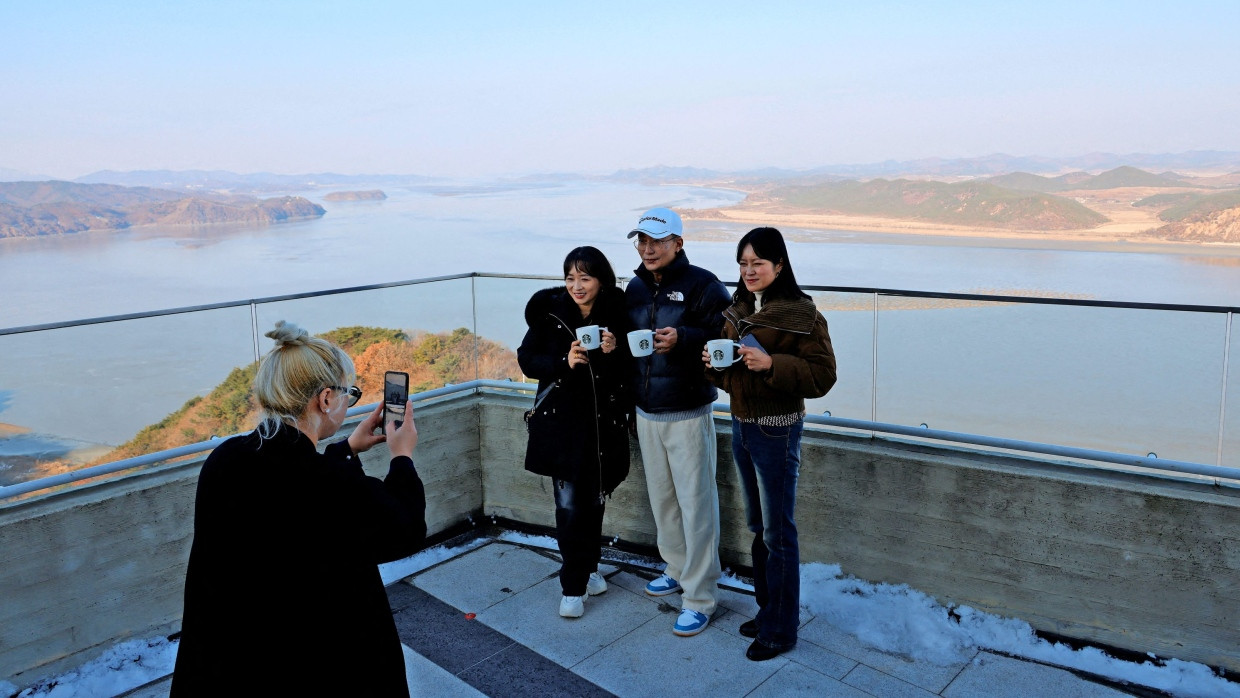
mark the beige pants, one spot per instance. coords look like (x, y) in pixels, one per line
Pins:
(679, 458)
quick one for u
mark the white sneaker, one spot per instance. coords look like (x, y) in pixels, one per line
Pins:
(572, 606)
(596, 585)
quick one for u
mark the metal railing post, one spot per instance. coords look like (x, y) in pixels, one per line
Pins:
(473, 299)
(254, 329)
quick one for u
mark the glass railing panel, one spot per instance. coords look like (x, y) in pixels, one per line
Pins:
(425, 329)
(500, 311)
(78, 396)
(1115, 379)
(850, 320)
(1230, 454)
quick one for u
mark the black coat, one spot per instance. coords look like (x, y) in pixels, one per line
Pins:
(692, 300)
(580, 433)
(286, 546)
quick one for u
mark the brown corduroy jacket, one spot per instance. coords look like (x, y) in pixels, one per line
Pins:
(795, 334)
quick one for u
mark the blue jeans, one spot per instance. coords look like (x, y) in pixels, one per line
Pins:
(769, 460)
(579, 531)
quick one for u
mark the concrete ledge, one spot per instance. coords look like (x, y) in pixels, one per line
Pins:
(1133, 562)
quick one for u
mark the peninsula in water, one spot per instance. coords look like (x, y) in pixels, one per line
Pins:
(31, 209)
(1124, 204)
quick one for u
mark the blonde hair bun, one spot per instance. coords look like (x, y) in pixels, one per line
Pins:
(290, 375)
(286, 334)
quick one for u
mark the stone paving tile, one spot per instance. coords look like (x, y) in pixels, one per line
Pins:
(918, 672)
(995, 676)
(440, 632)
(427, 678)
(710, 663)
(821, 659)
(532, 619)
(876, 683)
(519, 671)
(486, 576)
(797, 680)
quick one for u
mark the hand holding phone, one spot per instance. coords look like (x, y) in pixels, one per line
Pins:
(751, 341)
(395, 395)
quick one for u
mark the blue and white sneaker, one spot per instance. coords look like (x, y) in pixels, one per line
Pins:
(690, 623)
(663, 586)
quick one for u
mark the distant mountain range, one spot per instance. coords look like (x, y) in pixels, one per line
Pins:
(1124, 176)
(29, 209)
(220, 180)
(986, 166)
(998, 164)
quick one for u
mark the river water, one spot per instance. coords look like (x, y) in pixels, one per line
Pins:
(133, 374)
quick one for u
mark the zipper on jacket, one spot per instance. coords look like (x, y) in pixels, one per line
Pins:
(650, 361)
(598, 441)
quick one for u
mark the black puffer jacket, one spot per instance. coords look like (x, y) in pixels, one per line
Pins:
(581, 431)
(692, 300)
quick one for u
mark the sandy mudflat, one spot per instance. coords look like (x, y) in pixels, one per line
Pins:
(11, 430)
(1129, 228)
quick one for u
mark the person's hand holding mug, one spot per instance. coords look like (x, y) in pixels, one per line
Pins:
(609, 340)
(577, 355)
(665, 340)
(706, 356)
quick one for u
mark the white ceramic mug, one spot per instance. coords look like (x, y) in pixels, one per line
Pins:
(590, 337)
(641, 342)
(721, 354)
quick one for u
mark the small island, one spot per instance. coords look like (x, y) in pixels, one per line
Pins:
(370, 195)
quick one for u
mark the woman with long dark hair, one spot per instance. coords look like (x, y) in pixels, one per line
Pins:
(579, 427)
(786, 358)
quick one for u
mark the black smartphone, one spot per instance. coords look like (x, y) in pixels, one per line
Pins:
(395, 395)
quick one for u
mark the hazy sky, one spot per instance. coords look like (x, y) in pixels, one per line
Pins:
(477, 88)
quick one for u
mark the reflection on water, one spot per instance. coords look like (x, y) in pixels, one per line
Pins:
(1214, 261)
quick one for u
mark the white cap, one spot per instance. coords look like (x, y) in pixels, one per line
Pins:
(658, 223)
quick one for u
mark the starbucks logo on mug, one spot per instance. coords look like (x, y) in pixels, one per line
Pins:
(587, 340)
(644, 344)
(718, 355)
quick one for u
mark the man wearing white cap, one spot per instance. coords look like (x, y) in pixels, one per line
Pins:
(684, 306)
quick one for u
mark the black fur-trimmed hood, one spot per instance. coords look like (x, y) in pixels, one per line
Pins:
(557, 301)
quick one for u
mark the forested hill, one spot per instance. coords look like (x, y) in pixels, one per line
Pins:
(1119, 177)
(973, 203)
(29, 209)
(431, 360)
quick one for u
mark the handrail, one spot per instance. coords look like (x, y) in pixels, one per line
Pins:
(228, 304)
(190, 449)
(1223, 476)
(1178, 466)
(1183, 307)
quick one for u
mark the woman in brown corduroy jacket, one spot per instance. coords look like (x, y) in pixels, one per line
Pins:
(790, 361)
